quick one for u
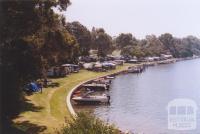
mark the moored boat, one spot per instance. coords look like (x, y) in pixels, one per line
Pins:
(96, 86)
(91, 99)
(110, 77)
(135, 69)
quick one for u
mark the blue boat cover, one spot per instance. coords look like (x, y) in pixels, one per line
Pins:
(33, 87)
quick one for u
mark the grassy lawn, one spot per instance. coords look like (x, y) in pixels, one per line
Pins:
(51, 109)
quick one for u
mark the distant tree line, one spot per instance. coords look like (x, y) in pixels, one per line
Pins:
(33, 37)
(151, 45)
(155, 46)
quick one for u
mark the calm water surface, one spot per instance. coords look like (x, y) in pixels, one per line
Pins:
(139, 102)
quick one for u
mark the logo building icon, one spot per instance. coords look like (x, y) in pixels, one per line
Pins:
(182, 114)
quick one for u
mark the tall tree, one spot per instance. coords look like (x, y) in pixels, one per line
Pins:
(154, 46)
(169, 42)
(82, 35)
(124, 40)
(32, 35)
(102, 42)
(188, 46)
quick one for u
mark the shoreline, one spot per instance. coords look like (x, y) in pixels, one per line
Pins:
(69, 96)
(52, 111)
(53, 99)
(125, 71)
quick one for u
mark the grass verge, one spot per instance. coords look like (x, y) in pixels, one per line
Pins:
(49, 108)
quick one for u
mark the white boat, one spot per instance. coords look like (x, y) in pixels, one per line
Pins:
(135, 69)
(102, 81)
(87, 98)
(110, 77)
(96, 86)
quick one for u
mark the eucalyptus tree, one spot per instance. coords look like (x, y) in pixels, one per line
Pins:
(169, 42)
(154, 46)
(124, 39)
(32, 37)
(101, 41)
(82, 35)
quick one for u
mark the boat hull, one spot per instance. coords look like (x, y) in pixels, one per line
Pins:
(97, 100)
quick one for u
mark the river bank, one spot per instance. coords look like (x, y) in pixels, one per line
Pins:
(46, 112)
(43, 113)
(139, 102)
(124, 72)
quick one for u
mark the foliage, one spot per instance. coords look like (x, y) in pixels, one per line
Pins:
(124, 40)
(82, 35)
(189, 46)
(169, 42)
(101, 41)
(32, 38)
(87, 124)
(155, 46)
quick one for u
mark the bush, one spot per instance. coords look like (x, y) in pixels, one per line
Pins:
(87, 124)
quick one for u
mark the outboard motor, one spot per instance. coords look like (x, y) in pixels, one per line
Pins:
(110, 81)
(107, 86)
(108, 96)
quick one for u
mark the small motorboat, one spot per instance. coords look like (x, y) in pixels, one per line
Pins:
(91, 99)
(135, 69)
(110, 77)
(96, 86)
(102, 81)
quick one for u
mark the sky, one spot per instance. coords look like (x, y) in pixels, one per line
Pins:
(139, 17)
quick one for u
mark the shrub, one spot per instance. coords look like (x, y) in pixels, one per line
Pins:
(87, 124)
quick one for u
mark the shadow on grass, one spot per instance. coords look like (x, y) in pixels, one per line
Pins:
(28, 106)
(27, 126)
(54, 84)
(8, 129)
(24, 126)
(30, 128)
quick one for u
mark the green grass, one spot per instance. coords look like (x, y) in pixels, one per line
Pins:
(53, 102)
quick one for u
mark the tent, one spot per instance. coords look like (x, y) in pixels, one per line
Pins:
(33, 87)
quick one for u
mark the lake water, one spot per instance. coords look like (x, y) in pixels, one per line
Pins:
(139, 102)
